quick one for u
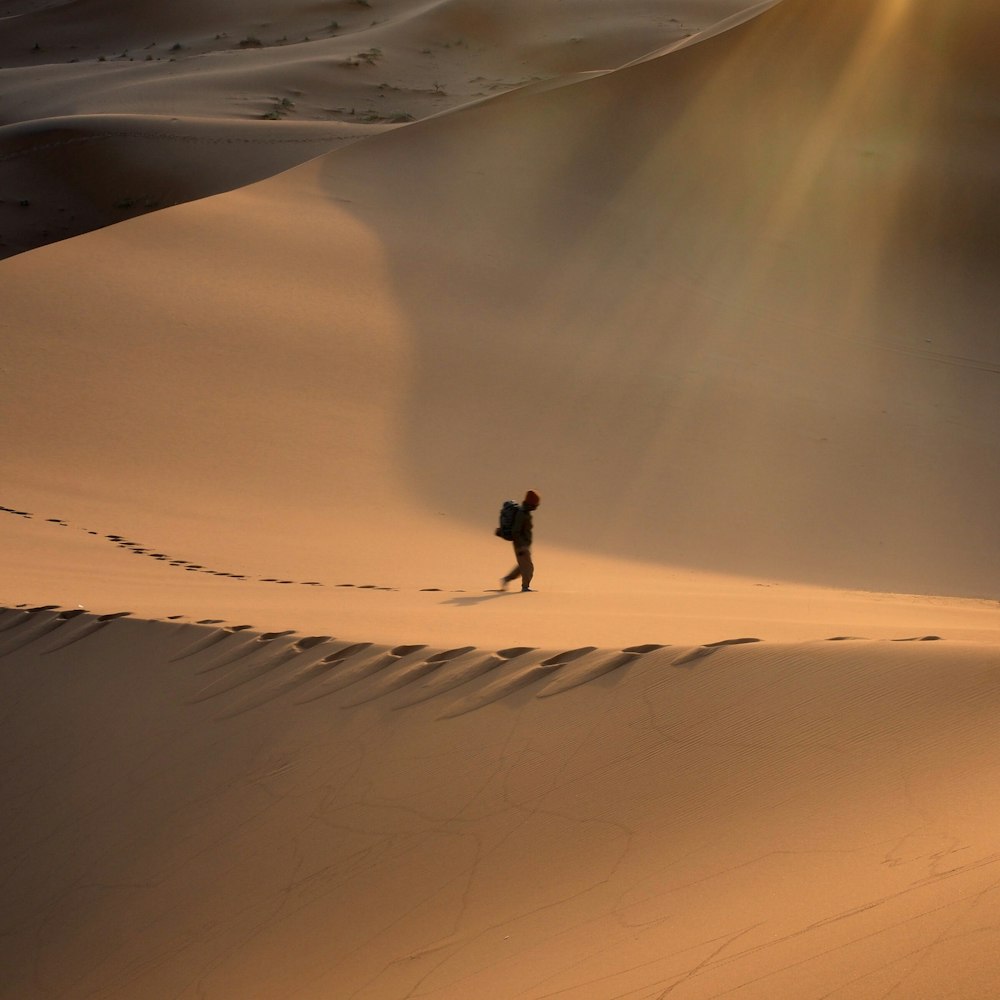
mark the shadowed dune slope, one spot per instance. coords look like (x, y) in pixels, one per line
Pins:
(76, 174)
(733, 301)
(201, 812)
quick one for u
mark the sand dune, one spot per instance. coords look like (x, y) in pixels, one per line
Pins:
(776, 820)
(253, 89)
(731, 330)
(82, 172)
(718, 281)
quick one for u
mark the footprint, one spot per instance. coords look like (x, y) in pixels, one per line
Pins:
(409, 674)
(511, 681)
(452, 676)
(605, 665)
(263, 660)
(16, 513)
(569, 656)
(88, 628)
(234, 651)
(311, 640)
(305, 650)
(244, 650)
(320, 668)
(345, 677)
(39, 623)
(205, 642)
(707, 649)
(15, 616)
(693, 654)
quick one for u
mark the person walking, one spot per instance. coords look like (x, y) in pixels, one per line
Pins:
(521, 537)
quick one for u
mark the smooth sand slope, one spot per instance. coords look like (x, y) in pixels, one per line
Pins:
(266, 730)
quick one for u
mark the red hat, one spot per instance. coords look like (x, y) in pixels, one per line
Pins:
(531, 499)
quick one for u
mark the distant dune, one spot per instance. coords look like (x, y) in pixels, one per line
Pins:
(251, 90)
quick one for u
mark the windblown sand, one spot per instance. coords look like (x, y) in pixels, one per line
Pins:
(295, 295)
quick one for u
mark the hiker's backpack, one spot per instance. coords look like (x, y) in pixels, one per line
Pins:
(507, 514)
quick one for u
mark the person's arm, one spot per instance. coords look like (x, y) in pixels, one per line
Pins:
(520, 533)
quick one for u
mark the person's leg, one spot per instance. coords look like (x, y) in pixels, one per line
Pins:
(525, 568)
(513, 574)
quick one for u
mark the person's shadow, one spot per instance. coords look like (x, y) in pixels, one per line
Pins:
(468, 602)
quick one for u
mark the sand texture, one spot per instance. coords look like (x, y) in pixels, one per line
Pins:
(293, 297)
